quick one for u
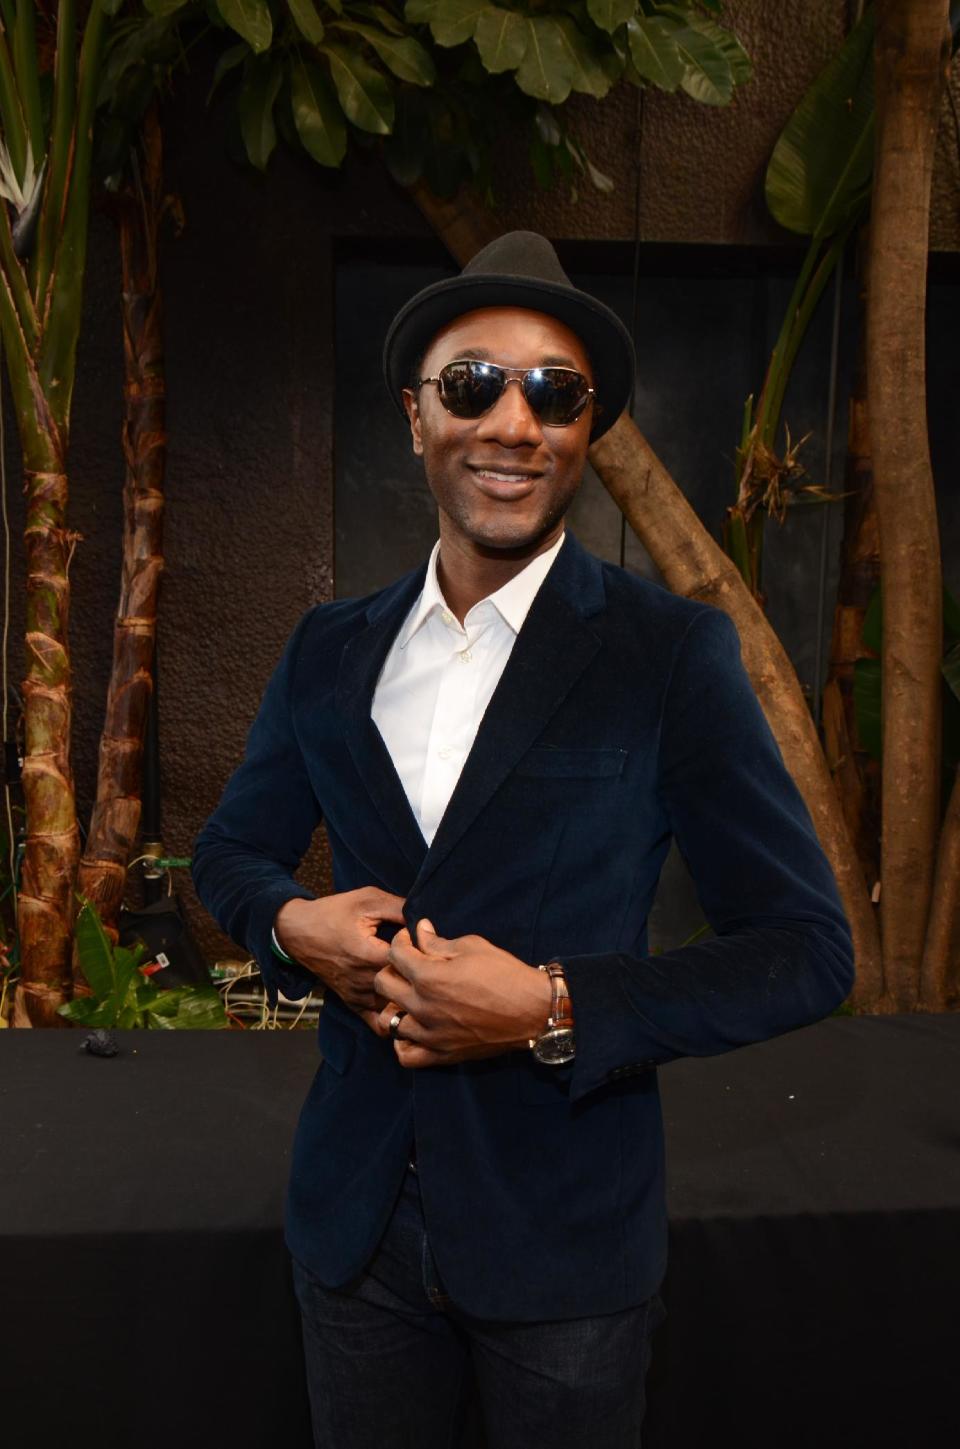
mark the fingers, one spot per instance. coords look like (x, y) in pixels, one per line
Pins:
(413, 1054)
(382, 905)
(389, 984)
(403, 955)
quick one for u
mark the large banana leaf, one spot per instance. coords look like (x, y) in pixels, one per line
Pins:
(822, 165)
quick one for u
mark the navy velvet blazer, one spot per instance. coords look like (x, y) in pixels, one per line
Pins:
(624, 717)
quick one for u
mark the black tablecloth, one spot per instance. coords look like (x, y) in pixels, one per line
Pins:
(812, 1292)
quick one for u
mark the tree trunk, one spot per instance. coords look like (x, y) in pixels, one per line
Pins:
(911, 56)
(693, 564)
(138, 211)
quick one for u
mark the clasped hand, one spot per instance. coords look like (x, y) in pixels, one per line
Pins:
(462, 997)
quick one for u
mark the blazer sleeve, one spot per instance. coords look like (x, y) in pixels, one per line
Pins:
(782, 954)
(246, 852)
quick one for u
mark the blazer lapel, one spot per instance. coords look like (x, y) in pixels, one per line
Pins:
(361, 660)
(551, 651)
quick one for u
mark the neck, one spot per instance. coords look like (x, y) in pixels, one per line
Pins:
(468, 572)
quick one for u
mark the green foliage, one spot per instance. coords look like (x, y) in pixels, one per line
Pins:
(123, 997)
(822, 165)
(316, 72)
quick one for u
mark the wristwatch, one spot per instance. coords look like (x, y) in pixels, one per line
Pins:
(557, 1044)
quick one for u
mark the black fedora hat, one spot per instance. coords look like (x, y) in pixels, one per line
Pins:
(518, 269)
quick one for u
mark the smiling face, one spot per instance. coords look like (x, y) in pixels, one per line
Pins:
(502, 481)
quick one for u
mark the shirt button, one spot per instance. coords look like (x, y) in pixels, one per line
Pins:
(445, 753)
(447, 617)
(466, 656)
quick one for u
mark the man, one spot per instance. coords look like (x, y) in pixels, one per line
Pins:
(502, 744)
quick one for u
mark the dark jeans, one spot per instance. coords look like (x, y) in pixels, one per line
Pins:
(388, 1356)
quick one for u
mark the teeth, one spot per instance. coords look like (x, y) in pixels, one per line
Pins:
(505, 477)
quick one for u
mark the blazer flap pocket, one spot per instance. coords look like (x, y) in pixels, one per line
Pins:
(578, 763)
(337, 1042)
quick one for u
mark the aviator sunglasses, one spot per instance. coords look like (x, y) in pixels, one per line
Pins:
(468, 388)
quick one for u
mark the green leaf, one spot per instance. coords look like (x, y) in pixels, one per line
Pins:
(451, 21)
(822, 164)
(586, 73)
(741, 66)
(156, 7)
(307, 20)
(866, 703)
(501, 39)
(255, 105)
(381, 16)
(87, 1011)
(654, 52)
(94, 952)
(544, 71)
(365, 94)
(189, 1008)
(872, 631)
(251, 19)
(318, 117)
(609, 14)
(403, 55)
(227, 61)
(708, 74)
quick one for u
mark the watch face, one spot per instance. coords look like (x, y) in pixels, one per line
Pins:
(555, 1047)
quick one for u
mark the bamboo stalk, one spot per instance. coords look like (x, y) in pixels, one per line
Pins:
(45, 905)
(911, 55)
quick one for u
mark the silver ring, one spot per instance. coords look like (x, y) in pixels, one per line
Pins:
(395, 1021)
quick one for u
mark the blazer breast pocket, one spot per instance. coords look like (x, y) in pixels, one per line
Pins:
(579, 763)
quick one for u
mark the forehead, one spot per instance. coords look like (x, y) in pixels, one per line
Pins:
(513, 336)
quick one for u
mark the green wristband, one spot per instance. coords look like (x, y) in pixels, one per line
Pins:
(279, 951)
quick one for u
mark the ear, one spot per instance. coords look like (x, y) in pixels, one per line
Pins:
(411, 407)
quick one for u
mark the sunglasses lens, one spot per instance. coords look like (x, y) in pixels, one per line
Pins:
(468, 389)
(556, 394)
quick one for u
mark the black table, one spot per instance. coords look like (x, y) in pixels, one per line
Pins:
(812, 1294)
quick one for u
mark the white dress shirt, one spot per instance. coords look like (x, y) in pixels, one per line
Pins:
(437, 680)
(438, 677)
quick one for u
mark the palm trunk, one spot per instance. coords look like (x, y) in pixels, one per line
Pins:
(116, 814)
(912, 52)
(693, 564)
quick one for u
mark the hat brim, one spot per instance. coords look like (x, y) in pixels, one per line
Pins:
(600, 330)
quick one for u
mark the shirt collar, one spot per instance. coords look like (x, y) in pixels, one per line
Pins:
(512, 600)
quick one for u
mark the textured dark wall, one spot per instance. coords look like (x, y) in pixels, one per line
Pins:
(253, 367)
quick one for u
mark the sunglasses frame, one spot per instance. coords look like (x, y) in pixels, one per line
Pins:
(509, 374)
